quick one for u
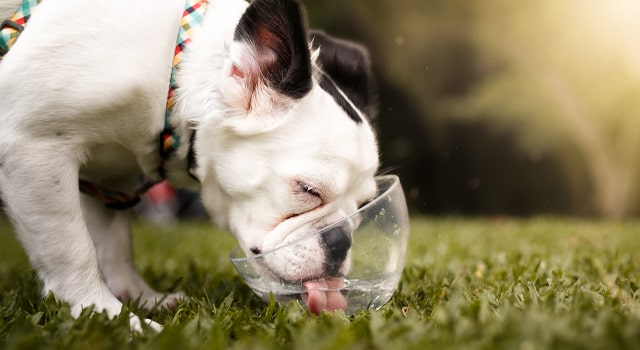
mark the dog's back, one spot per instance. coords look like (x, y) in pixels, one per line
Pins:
(101, 59)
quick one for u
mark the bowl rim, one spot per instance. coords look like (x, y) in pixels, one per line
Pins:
(395, 183)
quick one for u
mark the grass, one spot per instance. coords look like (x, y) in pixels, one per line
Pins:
(469, 283)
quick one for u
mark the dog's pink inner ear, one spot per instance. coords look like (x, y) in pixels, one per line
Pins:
(236, 72)
(274, 31)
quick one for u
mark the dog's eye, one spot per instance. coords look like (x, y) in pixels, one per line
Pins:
(309, 189)
(305, 197)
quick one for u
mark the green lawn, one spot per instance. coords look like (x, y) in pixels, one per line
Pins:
(469, 283)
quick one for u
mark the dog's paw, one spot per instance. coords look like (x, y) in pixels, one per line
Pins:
(149, 299)
(113, 308)
(136, 324)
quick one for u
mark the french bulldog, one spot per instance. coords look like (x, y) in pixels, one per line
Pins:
(274, 121)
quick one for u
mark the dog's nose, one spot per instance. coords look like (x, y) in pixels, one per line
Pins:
(337, 242)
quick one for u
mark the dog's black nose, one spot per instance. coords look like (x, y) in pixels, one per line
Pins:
(337, 242)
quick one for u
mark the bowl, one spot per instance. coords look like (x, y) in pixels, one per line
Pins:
(377, 256)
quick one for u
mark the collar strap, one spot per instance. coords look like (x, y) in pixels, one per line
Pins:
(169, 140)
(115, 199)
(191, 17)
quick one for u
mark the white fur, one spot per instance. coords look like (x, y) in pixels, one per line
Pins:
(83, 92)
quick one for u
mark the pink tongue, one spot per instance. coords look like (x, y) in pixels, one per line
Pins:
(324, 294)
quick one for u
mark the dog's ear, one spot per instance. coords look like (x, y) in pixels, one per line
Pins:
(348, 65)
(270, 63)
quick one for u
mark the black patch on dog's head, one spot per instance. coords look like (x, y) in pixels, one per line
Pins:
(277, 31)
(349, 68)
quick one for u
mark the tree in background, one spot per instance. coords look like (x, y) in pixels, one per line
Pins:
(567, 79)
(558, 80)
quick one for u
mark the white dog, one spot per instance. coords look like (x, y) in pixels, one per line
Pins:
(273, 126)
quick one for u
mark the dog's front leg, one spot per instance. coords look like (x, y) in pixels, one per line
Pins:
(111, 234)
(39, 183)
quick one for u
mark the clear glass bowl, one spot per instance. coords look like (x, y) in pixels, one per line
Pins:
(379, 246)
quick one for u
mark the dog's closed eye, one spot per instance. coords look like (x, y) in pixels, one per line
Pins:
(305, 187)
(306, 197)
(307, 192)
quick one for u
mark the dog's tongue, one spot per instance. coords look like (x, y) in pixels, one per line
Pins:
(324, 294)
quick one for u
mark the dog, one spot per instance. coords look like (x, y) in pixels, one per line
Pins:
(274, 122)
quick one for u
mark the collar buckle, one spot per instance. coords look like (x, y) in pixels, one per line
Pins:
(12, 24)
(7, 23)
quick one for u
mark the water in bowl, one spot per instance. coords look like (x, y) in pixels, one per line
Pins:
(370, 293)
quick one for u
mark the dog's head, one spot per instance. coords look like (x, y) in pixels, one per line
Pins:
(295, 151)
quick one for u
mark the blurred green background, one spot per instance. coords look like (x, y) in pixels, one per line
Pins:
(504, 107)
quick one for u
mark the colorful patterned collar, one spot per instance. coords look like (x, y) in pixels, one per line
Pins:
(191, 17)
(169, 141)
